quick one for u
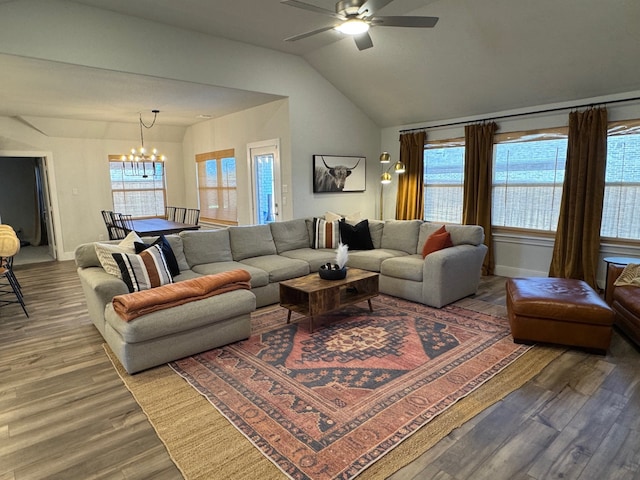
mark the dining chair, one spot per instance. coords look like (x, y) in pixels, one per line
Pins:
(123, 224)
(180, 213)
(170, 213)
(9, 285)
(107, 217)
(192, 216)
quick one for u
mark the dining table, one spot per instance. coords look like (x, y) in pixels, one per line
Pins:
(160, 226)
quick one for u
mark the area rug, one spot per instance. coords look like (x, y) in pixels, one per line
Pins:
(335, 403)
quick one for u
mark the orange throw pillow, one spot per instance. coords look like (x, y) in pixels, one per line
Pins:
(437, 241)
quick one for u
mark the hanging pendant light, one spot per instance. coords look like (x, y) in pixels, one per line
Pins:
(136, 163)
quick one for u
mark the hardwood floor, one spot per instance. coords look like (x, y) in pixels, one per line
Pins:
(65, 414)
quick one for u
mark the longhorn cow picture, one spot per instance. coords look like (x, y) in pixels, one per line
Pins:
(338, 174)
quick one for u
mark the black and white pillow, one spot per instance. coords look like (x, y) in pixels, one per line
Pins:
(169, 256)
(144, 271)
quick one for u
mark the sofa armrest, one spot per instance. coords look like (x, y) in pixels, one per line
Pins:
(99, 288)
(613, 272)
(452, 273)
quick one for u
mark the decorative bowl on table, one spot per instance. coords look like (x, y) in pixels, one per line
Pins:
(332, 272)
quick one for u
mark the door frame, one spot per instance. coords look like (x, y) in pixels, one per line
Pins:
(277, 177)
(45, 159)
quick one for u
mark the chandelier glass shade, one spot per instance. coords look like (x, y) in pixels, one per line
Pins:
(141, 162)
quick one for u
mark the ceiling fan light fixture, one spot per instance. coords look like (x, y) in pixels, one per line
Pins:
(353, 26)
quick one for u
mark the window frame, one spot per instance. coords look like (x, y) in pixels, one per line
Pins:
(523, 136)
(456, 142)
(118, 159)
(217, 156)
(615, 129)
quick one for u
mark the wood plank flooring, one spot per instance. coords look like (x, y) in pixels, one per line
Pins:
(65, 414)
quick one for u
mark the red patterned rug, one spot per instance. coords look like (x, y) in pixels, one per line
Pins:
(329, 404)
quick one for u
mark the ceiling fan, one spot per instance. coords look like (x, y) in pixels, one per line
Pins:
(356, 16)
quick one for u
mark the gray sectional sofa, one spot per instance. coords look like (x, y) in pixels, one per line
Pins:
(272, 253)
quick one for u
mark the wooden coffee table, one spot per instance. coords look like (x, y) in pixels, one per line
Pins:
(312, 296)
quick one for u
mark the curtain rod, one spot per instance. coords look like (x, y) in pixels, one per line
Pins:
(514, 115)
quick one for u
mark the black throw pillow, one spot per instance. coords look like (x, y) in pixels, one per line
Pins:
(356, 236)
(169, 256)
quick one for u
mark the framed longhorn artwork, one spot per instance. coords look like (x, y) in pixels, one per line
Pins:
(334, 173)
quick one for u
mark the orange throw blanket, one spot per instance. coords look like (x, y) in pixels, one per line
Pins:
(136, 304)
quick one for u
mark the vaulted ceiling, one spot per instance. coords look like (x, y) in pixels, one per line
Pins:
(483, 56)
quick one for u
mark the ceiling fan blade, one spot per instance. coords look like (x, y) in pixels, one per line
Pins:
(372, 6)
(420, 22)
(311, 8)
(363, 41)
(308, 34)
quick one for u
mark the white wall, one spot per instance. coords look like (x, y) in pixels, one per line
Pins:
(321, 119)
(266, 122)
(519, 255)
(79, 177)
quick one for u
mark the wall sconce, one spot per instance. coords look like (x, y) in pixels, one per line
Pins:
(398, 167)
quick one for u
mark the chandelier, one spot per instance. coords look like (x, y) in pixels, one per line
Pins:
(142, 162)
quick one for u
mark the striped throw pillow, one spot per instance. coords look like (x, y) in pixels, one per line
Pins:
(325, 234)
(144, 271)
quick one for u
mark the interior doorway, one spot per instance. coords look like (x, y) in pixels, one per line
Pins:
(264, 167)
(25, 205)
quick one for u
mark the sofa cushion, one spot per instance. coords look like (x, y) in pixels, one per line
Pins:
(192, 316)
(371, 259)
(401, 235)
(408, 267)
(466, 234)
(167, 251)
(357, 237)
(144, 271)
(105, 252)
(290, 235)
(376, 228)
(259, 278)
(315, 257)
(177, 246)
(426, 229)
(460, 234)
(251, 241)
(206, 246)
(325, 234)
(278, 267)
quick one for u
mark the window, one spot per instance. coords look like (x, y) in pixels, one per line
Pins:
(528, 173)
(134, 194)
(443, 181)
(622, 182)
(217, 186)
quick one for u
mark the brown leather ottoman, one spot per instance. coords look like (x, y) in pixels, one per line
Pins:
(558, 310)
